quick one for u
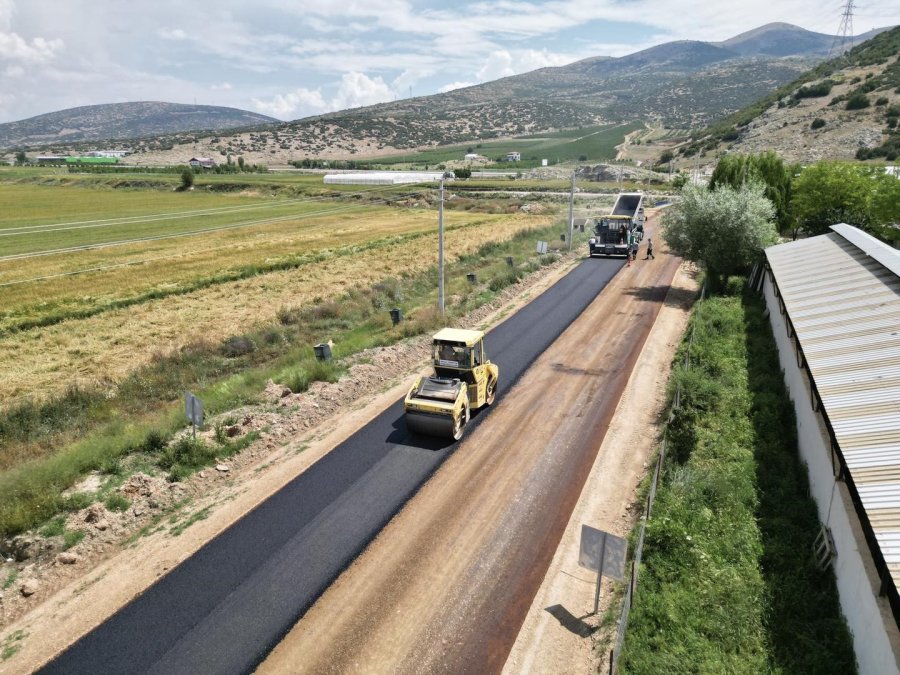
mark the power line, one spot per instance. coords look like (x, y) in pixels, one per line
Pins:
(844, 35)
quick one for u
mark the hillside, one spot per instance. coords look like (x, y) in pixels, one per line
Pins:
(681, 85)
(684, 84)
(845, 108)
(123, 121)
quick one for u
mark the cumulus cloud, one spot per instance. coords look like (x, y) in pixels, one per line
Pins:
(354, 90)
(357, 89)
(455, 85)
(300, 102)
(38, 50)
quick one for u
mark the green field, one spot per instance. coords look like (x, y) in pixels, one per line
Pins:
(40, 218)
(595, 143)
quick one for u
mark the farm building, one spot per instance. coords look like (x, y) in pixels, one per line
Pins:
(513, 156)
(51, 159)
(382, 177)
(834, 306)
(202, 163)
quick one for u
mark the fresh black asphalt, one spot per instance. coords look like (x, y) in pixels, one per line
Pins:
(223, 609)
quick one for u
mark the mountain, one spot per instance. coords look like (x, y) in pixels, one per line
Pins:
(846, 108)
(682, 85)
(784, 39)
(124, 121)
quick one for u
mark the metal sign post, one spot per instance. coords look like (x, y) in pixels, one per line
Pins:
(441, 250)
(193, 408)
(571, 210)
(603, 553)
(599, 573)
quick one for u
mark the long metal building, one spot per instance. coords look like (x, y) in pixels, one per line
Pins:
(834, 306)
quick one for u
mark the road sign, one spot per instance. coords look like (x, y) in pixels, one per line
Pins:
(193, 408)
(603, 553)
(614, 549)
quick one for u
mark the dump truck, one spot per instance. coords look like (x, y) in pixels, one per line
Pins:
(464, 380)
(621, 231)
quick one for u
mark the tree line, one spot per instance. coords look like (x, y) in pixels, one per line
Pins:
(752, 198)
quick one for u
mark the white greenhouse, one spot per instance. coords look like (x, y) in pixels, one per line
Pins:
(382, 177)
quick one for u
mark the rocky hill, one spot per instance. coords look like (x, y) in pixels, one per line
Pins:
(683, 85)
(123, 121)
(844, 108)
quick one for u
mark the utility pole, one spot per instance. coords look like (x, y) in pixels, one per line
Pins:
(571, 210)
(441, 250)
(844, 37)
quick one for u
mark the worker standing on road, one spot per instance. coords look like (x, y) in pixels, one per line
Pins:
(649, 250)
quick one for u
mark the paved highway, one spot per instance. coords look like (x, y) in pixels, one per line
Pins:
(226, 607)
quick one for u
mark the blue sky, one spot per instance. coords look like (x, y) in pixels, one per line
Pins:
(294, 59)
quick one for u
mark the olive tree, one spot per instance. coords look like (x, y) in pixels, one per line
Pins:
(724, 229)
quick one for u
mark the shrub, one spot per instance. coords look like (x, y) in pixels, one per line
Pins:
(117, 502)
(882, 100)
(72, 537)
(507, 278)
(238, 345)
(857, 102)
(186, 453)
(187, 179)
(154, 442)
(817, 123)
(54, 528)
(823, 88)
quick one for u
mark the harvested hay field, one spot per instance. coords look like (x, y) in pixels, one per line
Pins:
(340, 254)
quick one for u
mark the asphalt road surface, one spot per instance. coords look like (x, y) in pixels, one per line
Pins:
(226, 607)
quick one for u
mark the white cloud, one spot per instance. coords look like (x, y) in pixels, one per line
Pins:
(353, 91)
(503, 63)
(499, 63)
(455, 85)
(224, 86)
(39, 50)
(357, 89)
(7, 7)
(298, 103)
(172, 34)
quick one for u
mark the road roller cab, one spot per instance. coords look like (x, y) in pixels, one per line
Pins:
(464, 380)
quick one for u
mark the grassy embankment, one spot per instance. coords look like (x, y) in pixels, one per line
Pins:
(46, 446)
(728, 583)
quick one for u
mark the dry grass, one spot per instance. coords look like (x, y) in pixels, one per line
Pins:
(106, 347)
(168, 264)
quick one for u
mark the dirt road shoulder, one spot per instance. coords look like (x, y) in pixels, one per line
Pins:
(559, 635)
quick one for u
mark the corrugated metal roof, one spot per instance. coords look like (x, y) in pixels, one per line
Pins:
(842, 293)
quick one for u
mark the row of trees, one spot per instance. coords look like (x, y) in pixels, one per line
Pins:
(750, 198)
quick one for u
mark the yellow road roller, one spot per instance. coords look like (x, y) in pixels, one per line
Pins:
(463, 380)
